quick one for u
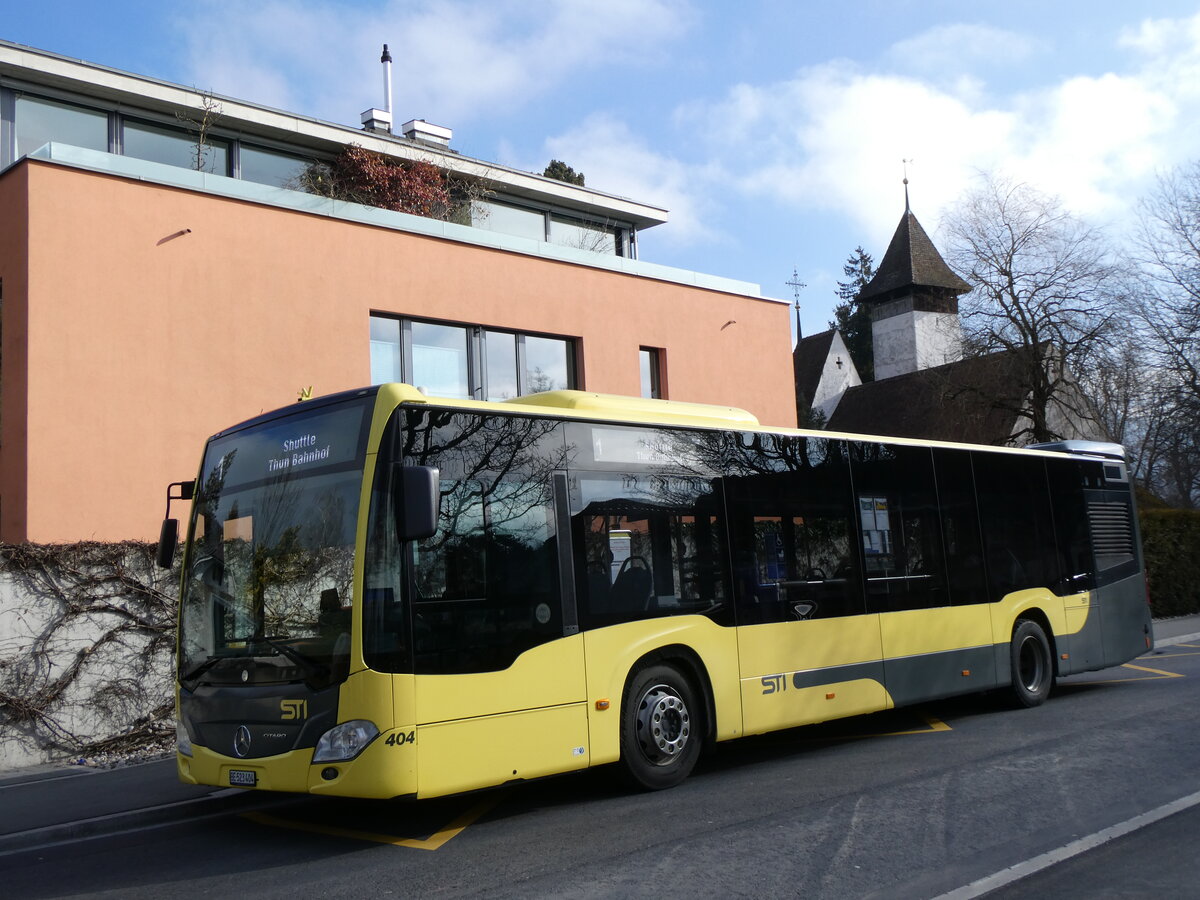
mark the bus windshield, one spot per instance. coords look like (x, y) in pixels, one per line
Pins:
(267, 594)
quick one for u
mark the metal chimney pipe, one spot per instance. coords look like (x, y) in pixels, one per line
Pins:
(386, 59)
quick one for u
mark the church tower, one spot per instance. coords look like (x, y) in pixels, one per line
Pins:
(913, 301)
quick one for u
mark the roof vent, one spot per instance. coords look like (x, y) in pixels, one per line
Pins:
(420, 130)
(377, 120)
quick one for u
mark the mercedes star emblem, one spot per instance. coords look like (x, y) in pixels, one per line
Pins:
(241, 741)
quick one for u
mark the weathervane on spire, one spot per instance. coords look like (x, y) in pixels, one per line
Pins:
(905, 162)
(797, 286)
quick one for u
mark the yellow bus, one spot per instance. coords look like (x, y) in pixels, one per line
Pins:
(386, 594)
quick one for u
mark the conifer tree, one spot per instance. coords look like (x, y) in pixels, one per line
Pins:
(852, 319)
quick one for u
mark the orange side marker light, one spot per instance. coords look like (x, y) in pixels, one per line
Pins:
(602, 705)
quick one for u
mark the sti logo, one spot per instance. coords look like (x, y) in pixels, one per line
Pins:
(293, 709)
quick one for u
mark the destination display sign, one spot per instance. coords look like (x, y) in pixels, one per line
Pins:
(296, 445)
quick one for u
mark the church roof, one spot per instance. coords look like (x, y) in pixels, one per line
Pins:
(911, 260)
(975, 401)
(808, 360)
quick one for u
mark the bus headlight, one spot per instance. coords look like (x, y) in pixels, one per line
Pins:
(183, 743)
(345, 741)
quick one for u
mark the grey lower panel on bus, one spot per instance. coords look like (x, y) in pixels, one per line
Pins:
(1116, 629)
(1125, 620)
(835, 674)
(1085, 648)
(912, 679)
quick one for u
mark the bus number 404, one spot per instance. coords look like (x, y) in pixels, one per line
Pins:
(395, 740)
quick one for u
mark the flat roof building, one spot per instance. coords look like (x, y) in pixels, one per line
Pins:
(163, 277)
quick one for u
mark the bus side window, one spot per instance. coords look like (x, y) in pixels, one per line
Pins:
(965, 577)
(647, 544)
(900, 526)
(1014, 511)
(484, 587)
(1068, 477)
(791, 513)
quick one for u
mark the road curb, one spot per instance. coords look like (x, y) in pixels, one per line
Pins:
(1178, 639)
(179, 812)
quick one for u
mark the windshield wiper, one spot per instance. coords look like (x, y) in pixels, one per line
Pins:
(310, 665)
(203, 667)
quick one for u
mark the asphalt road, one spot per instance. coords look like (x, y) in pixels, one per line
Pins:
(913, 803)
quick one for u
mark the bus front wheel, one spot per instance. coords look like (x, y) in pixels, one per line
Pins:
(1032, 666)
(662, 728)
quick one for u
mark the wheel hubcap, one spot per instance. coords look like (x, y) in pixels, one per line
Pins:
(663, 724)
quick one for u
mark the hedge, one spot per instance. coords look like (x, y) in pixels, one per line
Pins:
(1171, 548)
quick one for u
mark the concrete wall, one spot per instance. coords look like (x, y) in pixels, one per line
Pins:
(157, 315)
(915, 340)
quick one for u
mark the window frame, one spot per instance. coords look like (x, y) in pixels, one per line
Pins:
(655, 356)
(477, 361)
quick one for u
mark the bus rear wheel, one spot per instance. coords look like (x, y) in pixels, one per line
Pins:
(1032, 665)
(661, 728)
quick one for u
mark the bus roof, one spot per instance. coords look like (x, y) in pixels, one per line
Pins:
(639, 410)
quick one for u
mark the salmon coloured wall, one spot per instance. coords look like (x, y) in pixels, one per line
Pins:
(154, 316)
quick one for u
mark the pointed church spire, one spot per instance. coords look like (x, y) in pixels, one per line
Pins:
(913, 300)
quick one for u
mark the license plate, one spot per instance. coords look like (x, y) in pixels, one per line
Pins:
(243, 778)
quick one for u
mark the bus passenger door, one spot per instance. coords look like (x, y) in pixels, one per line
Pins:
(497, 657)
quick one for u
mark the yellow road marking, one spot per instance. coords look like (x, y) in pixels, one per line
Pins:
(434, 842)
(1175, 655)
(933, 723)
(1158, 674)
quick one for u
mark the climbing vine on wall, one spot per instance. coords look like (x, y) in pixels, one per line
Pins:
(87, 637)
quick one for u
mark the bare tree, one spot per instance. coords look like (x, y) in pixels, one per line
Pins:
(1044, 289)
(1168, 312)
(200, 122)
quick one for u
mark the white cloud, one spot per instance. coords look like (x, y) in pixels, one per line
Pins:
(831, 138)
(616, 161)
(454, 60)
(949, 50)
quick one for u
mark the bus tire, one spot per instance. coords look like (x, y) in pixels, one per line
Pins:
(662, 727)
(1032, 665)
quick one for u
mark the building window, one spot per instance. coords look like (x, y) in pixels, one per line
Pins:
(651, 365)
(583, 235)
(272, 167)
(439, 359)
(501, 365)
(40, 121)
(549, 364)
(507, 219)
(553, 228)
(467, 361)
(175, 147)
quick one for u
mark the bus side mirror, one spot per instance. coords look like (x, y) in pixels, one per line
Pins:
(417, 502)
(168, 537)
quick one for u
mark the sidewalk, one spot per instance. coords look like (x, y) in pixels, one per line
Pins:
(49, 804)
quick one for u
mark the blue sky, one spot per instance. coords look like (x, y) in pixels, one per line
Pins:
(773, 131)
